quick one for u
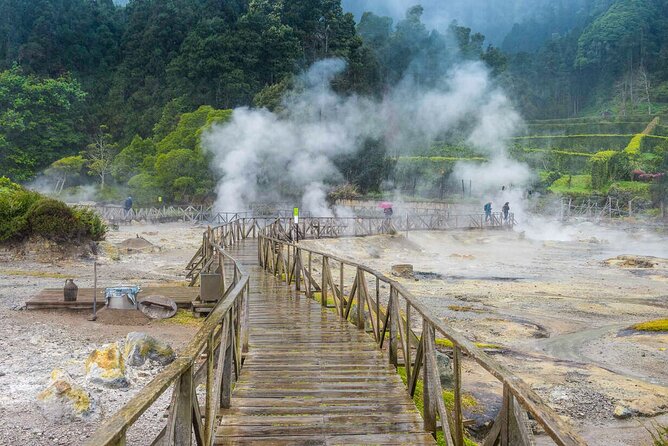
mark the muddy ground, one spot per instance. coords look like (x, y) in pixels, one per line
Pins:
(558, 311)
(34, 342)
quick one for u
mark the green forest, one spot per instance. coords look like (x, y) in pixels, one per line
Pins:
(95, 92)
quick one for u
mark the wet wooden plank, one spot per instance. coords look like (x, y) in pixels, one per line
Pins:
(312, 379)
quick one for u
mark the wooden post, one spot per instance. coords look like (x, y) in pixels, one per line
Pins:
(209, 404)
(430, 409)
(360, 299)
(394, 315)
(226, 389)
(378, 334)
(310, 274)
(323, 288)
(407, 340)
(507, 411)
(298, 269)
(458, 417)
(183, 418)
(341, 305)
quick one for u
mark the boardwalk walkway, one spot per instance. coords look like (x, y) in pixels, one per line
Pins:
(311, 378)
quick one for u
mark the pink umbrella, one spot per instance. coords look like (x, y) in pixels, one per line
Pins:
(385, 205)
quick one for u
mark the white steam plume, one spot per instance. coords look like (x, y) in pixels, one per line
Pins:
(265, 156)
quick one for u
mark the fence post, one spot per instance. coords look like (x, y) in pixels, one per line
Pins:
(184, 414)
(393, 308)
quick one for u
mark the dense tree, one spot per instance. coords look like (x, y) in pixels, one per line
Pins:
(40, 121)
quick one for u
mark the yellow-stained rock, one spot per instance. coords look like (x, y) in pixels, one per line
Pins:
(105, 366)
(139, 347)
(64, 399)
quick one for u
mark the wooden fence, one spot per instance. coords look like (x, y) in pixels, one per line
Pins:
(212, 360)
(194, 214)
(401, 324)
(382, 307)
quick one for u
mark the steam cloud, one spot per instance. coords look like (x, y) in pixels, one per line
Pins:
(265, 156)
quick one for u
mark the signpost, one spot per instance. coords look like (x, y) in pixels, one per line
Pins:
(295, 214)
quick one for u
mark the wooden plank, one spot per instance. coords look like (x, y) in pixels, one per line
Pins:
(52, 298)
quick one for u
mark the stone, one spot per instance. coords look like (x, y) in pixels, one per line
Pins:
(105, 366)
(404, 270)
(622, 412)
(139, 347)
(63, 399)
(445, 372)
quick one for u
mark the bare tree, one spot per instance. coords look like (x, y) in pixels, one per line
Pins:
(644, 85)
(101, 155)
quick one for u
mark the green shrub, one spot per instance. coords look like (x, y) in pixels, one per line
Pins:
(634, 146)
(580, 143)
(552, 159)
(93, 226)
(585, 128)
(14, 203)
(609, 166)
(628, 190)
(53, 220)
(24, 213)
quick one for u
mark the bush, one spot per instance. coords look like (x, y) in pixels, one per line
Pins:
(627, 190)
(608, 166)
(14, 203)
(24, 213)
(94, 227)
(581, 143)
(53, 220)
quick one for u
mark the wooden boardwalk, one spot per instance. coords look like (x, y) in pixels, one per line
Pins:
(311, 378)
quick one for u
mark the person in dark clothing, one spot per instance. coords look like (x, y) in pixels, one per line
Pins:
(488, 211)
(505, 209)
(388, 212)
(127, 206)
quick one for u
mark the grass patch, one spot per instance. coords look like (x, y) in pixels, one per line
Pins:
(465, 308)
(572, 185)
(657, 325)
(317, 296)
(45, 274)
(183, 317)
(448, 398)
(659, 435)
(447, 343)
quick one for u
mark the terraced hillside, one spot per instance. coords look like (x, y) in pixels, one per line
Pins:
(575, 157)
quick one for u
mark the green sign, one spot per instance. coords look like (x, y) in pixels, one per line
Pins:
(295, 212)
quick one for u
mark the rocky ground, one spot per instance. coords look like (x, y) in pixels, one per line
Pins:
(558, 301)
(33, 343)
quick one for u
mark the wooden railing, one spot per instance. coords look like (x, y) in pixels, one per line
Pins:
(406, 328)
(194, 214)
(211, 361)
(357, 226)
(214, 357)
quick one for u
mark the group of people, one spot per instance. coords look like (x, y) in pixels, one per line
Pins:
(487, 208)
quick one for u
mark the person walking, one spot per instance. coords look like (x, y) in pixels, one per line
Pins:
(488, 211)
(127, 206)
(505, 209)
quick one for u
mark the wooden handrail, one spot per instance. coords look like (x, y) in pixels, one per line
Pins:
(224, 334)
(220, 341)
(272, 258)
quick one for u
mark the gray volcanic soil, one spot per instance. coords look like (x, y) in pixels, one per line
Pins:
(34, 342)
(559, 311)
